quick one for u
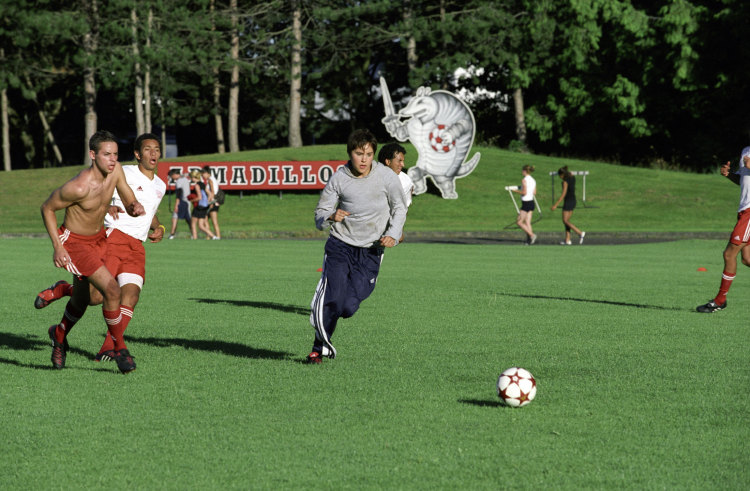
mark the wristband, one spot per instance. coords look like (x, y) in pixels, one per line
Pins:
(162, 227)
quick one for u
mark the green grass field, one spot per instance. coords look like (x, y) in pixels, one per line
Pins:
(636, 390)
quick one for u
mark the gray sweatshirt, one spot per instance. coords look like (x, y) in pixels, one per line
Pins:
(375, 203)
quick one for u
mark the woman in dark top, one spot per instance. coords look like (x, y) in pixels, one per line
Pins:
(568, 199)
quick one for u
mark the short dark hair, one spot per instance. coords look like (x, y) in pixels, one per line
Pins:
(206, 169)
(389, 151)
(360, 138)
(174, 171)
(100, 137)
(141, 138)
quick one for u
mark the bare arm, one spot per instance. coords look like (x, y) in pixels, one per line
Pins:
(132, 206)
(562, 196)
(61, 198)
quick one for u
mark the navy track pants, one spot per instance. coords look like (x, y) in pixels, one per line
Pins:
(348, 278)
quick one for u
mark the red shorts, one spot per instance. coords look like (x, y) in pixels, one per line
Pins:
(741, 232)
(86, 252)
(125, 255)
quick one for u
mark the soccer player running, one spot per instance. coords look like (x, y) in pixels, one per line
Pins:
(363, 205)
(740, 235)
(392, 155)
(80, 244)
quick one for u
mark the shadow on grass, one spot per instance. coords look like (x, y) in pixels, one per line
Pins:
(214, 346)
(25, 343)
(35, 366)
(588, 300)
(482, 403)
(31, 342)
(291, 309)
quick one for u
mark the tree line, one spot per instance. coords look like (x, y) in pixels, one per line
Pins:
(659, 83)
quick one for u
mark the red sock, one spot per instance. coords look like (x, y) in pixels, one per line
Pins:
(109, 342)
(726, 282)
(113, 319)
(70, 317)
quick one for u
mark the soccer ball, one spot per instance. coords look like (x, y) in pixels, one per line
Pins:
(440, 141)
(516, 387)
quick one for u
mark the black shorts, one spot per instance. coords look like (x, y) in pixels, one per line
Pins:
(200, 212)
(569, 204)
(527, 205)
(214, 208)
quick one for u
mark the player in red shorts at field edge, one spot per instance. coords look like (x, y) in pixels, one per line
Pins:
(740, 235)
(126, 257)
(80, 243)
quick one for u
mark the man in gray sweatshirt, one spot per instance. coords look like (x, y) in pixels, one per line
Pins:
(364, 207)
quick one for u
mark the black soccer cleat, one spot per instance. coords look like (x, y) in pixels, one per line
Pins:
(47, 296)
(711, 307)
(59, 351)
(106, 355)
(124, 361)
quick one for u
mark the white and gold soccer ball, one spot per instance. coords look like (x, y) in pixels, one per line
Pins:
(516, 387)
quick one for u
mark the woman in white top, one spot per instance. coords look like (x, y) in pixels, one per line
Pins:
(527, 192)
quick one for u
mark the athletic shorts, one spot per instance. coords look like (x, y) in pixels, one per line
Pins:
(527, 205)
(200, 211)
(741, 232)
(183, 210)
(126, 258)
(87, 252)
(214, 208)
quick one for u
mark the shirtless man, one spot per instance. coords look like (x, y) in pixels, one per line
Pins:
(80, 243)
(126, 257)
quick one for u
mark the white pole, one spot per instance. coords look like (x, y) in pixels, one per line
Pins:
(512, 198)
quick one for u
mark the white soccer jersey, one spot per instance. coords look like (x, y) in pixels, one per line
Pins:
(408, 186)
(148, 193)
(744, 173)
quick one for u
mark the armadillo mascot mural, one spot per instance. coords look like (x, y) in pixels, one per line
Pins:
(441, 127)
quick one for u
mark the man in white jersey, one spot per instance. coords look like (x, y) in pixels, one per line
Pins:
(126, 258)
(740, 235)
(392, 155)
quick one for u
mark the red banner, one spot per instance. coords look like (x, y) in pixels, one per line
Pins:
(261, 176)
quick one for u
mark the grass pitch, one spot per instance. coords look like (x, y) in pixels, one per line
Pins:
(636, 390)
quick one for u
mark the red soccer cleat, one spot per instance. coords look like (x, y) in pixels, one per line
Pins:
(46, 297)
(314, 358)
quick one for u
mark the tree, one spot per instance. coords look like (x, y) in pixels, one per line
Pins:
(140, 122)
(90, 11)
(234, 81)
(295, 97)
(215, 71)
(4, 119)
